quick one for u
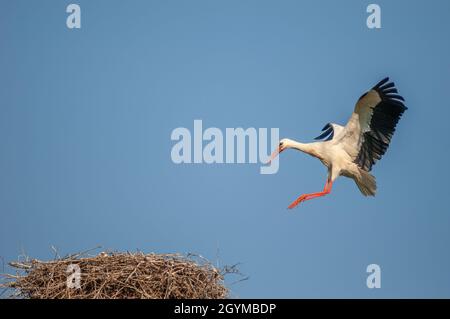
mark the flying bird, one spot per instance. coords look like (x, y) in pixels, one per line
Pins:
(353, 149)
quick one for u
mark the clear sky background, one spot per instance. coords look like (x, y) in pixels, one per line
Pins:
(86, 117)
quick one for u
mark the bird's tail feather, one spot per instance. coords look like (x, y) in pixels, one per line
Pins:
(366, 183)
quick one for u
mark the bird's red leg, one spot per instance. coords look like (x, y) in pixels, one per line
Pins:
(305, 197)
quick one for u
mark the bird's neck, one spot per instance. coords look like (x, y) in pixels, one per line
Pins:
(308, 148)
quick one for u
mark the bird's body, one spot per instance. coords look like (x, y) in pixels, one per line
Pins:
(353, 149)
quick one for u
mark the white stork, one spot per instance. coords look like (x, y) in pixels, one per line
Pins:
(353, 149)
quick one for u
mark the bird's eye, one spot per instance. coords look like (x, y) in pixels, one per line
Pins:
(281, 144)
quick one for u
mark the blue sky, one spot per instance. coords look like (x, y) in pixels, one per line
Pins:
(86, 117)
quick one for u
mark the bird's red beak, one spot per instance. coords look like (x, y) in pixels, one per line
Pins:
(275, 154)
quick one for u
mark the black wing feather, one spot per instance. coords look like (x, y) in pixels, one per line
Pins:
(385, 117)
(382, 82)
(390, 91)
(327, 134)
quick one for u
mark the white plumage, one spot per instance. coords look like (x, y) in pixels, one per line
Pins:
(353, 149)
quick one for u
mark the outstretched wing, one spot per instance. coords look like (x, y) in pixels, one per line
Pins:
(329, 131)
(372, 124)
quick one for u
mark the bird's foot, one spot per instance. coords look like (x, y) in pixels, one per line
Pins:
(294, 204)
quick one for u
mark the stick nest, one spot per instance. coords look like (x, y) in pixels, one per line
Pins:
(118, 276)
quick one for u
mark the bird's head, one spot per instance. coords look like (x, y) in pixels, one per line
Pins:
(282, 145)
